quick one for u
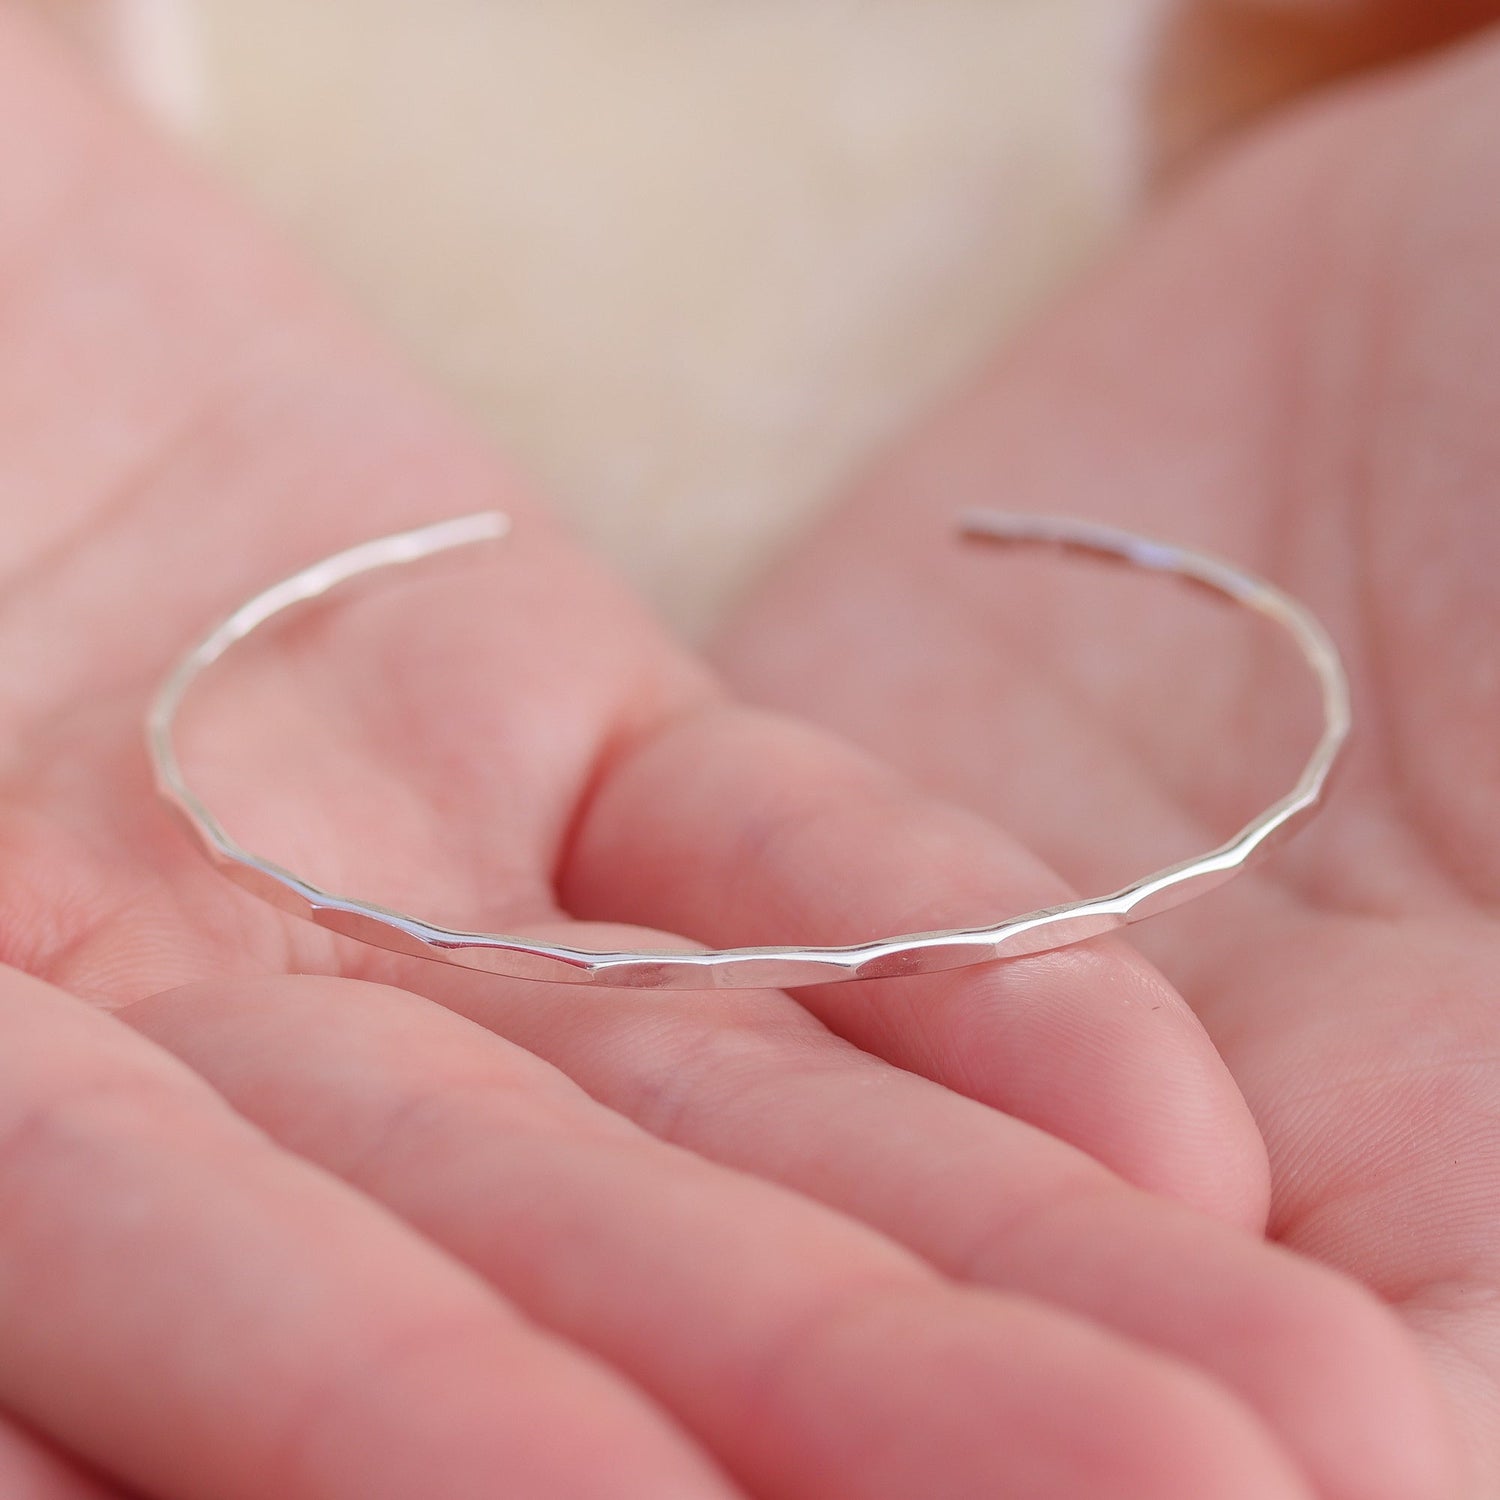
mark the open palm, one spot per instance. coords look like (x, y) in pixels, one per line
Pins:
(388, 1251)
(1295, 363)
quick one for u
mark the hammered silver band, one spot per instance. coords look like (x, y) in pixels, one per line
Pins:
(756, 968)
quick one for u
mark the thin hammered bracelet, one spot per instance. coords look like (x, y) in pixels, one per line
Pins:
(754, 968)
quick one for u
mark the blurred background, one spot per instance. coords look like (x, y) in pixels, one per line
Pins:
(690, 261)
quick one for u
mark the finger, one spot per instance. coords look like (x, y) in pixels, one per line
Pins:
(31, 1469)
(752, 1081)
(812, 1355)
(204, 1316)
(741, 829)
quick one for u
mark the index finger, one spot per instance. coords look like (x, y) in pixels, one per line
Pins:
(741, 828)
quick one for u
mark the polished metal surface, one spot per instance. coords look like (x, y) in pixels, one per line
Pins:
(745, 968)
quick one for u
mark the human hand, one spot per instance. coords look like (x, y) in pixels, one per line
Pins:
(444, 1268)
(1295, 364)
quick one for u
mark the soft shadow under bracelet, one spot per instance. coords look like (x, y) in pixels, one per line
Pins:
(746, 968)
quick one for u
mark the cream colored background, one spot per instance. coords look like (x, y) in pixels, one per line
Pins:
(690, 260)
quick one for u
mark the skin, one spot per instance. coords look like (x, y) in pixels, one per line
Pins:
(288, 1219)
(1293, 362)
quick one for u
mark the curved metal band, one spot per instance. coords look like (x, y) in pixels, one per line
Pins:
(745, 968)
